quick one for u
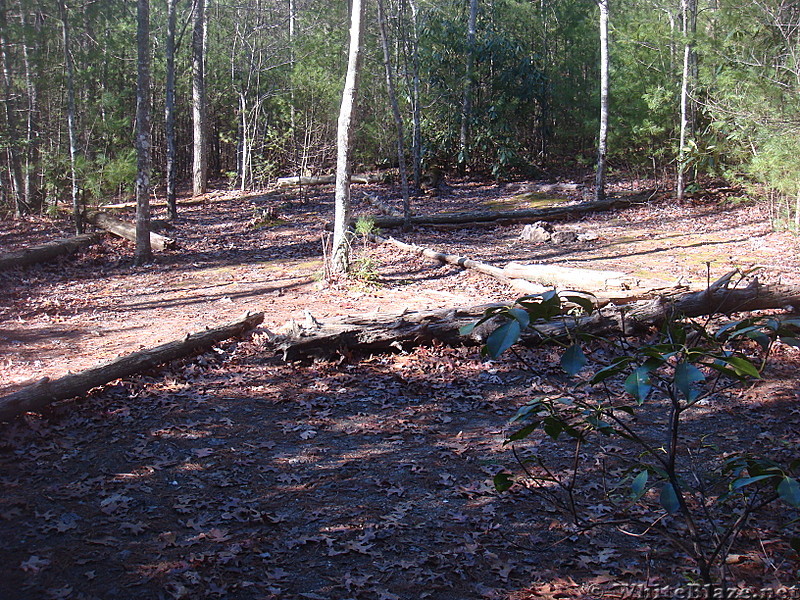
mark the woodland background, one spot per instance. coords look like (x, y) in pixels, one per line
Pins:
(273, 75)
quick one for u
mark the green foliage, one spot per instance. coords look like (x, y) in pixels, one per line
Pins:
(645, 396)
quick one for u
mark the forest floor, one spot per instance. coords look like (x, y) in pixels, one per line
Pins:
(235, 475)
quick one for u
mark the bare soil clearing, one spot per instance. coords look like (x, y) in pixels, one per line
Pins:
(237, 476)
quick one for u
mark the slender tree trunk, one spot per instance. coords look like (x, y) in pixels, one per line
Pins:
(169, 111)
(600, 179)
(340, 255)
(200, 161)
(466, 107)
(73, 139)
(144, 252)
(32, 77)
(416, 112)
(12, 145)
(398, 120)
(689, 28)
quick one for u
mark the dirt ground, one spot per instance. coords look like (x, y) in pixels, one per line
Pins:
(234, 475)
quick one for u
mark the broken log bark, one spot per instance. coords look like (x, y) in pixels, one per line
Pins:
(531, 215)
(521, 285)
(38, 395)
(381, 333)
(127, 230)
(45, 252)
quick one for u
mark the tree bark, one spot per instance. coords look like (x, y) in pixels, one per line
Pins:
(45, 252)
(128, 230)
(44, 392)
(77, 215)
(398, 120)
(200, 160)
(340, 254)
(689, 28)
(169, 111)
(144, 251)
(466, 106)
(12, 144)
(600, 179)
(392, 332)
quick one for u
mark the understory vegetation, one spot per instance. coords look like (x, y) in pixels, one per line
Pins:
(635, 412)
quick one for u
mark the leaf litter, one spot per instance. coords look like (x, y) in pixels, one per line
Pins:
(233, 475)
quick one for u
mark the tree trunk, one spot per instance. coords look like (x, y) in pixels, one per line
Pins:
(689, 28)
(416, 116)
(144, 252)
(128, 230)
(200, 160)
(45, 252)
(169, 111)
(33, 76)
(600, 179)
(398, 120)
(12, 144)
(392, 332)
(77, 215)
(466, 106)
(44, 392)
(340, 255)
(512, 216)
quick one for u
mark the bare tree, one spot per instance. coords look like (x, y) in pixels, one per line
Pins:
(12, 146)
(600, 179)
(466, 107)
(169, 110)
(200, 162)
(73, 140)
(340, 255)
(390, 86)
(688, 75)
(144, 252)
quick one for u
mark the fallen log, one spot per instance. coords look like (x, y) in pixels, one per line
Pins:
(382, 207)
(45, 391)
(531, 215)
(322, 180)
(570, 277)
(521, 285)
(45, 252)
(127, 230)
(382, 333)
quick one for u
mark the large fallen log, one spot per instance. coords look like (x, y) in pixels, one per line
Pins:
(380, 333)
(530, 215)
(45, 252)
(45, 391)
(127, 230)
